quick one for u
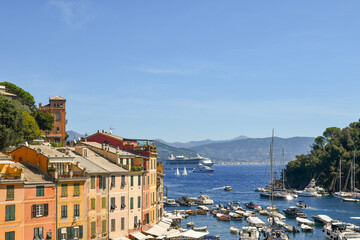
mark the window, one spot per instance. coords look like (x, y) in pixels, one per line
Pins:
(103, 202)
(132, 181)
(113, 224)
(57, 116)
(139, 202)
(76, 189)
(121, 161)
(40, 191)
(123, 202)
(147, 218)
(76, 210)
(123, 182)
(63, 190)
(148, 180)
(113, 204)
(85, 152)
(62, 233)
(38, 233)
(10, 192)
(92, 204)
(102, 182)
(75, 233)
(146, 200)
(127, 161)
(10, 213)
(139, 180)
(64, 211)
(112, 181)
(57, 130)
(40, 210)
(92, 182)
(10, 235)
(132, 161)
(131, 203)
(93, 228)
(135, 222)
(144, 180)
(122, 223)
(103, 226)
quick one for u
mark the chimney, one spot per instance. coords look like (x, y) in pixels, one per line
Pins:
(40, 104)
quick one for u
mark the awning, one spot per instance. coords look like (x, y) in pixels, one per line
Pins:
(173, 233)
(156, 231)
(119, 238)
(138, 235)
(194, 234)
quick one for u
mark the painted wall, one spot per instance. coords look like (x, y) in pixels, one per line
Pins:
(26, 154)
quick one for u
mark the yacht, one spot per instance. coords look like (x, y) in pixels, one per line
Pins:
(202, 169)
(203, 200)
(310, 190)
(171, 203)
(294, 212)
(338, 230)
(249, 233)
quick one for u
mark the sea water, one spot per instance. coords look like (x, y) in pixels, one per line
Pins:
(243, 179)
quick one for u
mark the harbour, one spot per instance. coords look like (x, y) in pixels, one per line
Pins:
(243, 179)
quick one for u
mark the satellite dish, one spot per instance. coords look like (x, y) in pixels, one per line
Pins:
(26, 144)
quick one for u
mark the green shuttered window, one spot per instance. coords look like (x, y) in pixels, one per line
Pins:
(76, 189)
(40, 191)
(63, 190)
(10, 192)
(10, 235)
(132, 181)
(103, 226)
(103, 202)
(93, 228)
(93, 204)
(131, 203)
(139, 202)
(10, 213)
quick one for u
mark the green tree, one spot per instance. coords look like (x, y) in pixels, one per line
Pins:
(32, 130)
(23, 96)
(11, 123)
(44, 119)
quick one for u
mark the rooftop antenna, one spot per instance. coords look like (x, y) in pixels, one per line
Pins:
(26, 144)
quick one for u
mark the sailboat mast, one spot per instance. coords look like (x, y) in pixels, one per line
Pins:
(283, 172)
(340, 175)
(271, 169)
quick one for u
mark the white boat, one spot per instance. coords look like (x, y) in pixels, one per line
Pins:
(177, 173)
(204, 208)
(304, 221)
(235, 216)
(184, 172)
(188, 162)
(234, 230)
(352, 194)
(200, 168)
(305, 227)
(203, 200)
(310, 190)
(171, 203)
(249, 233)
(324, 219)
(339, 231)
(255, 222)
(278, 215)
(199, 228)
(350, 200)
(190, 224)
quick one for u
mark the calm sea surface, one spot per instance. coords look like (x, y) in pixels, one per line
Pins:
(243, 179)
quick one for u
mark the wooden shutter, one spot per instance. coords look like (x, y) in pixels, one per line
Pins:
(34, 210)
(100, 181)
(81, 231)
(46, 209)
(69, 232)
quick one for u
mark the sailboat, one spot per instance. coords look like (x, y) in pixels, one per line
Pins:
(342, 194)
(184, 172)
(177, 173)
(273, 231)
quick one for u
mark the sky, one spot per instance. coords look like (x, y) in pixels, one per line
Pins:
(188, 70)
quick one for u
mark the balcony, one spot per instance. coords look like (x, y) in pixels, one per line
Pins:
(67, 175)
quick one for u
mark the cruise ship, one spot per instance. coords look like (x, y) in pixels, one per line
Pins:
(189, 163)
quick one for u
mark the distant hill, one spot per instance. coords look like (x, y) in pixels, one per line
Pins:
(197, 143)
(255, 149)
(74, 135)
(165, 150)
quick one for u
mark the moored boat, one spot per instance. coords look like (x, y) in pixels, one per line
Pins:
(234, 230)
(305, 227)
(305, 221)
(235, 216)
(255, 222)
(222, 217)
(249, 233)
(323, 219)
(203, 228)
(294, 212)
(171, 203)
(301, 204)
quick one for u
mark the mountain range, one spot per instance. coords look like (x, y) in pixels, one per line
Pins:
(241, 149)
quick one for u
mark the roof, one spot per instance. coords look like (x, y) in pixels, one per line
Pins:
(90, 166)
(57, 98)
(111, 149)
(34, 175)
(103, 162)
(194, 234)
(138, 235)
(50, 152)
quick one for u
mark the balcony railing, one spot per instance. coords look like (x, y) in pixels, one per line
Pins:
(4, 176)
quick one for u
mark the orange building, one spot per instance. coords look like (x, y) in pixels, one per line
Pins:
(56, 108)
(39, 204)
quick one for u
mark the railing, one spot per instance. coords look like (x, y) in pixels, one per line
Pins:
(10, 175)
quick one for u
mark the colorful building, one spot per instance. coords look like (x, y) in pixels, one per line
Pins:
(11, 200)
(56, 108)
(69, 179)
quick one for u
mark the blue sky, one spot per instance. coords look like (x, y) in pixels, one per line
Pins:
(188, 70)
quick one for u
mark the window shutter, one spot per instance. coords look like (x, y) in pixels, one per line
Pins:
(81, 231)
(34, 210)
(69, 233)
(100, 181)
(104, 182)
(46, 209)
(59, 233)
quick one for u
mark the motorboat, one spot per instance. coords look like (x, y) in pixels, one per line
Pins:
(203, 200)
(275, 233)
(323, 219)
(171, 203)
(278, 215)
(257, 208)
(263, 212)
(294, 212)
(305, 227)
(235, 216)
(310, 190)
(201, 212)
(255, 222)
(260, 189)
(225, 210)
(249, 233)
(234, 205)
(199, 228)
(234, 230)
(279, 195)
(246, 213)
(228, 188)
(190, 224)
(350, 200)
(191, 212)
(204, 208)
(222, 217)
(250, 205)
(304, 221)
(339, 230)
(301, 204)
(200, 168)
(273, 209)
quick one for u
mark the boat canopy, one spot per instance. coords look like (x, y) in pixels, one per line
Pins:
(193, 234)
(138, 235)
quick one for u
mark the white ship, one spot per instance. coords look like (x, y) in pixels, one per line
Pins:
(188, 163)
